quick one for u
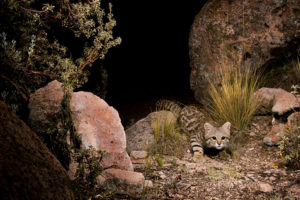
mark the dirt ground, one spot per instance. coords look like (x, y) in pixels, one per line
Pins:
(254, 172)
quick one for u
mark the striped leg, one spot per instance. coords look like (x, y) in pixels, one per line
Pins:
(197, 149)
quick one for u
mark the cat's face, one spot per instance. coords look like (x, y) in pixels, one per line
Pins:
(217, 137)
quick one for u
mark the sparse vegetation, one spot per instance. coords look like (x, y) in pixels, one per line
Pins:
(168, 139)
(290, 147)
(36, 44)
(89, 168)
(234, 99)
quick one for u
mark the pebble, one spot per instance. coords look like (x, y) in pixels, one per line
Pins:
(148, 184)
(265, 187)
(162, 175)
(252, 134)
(138, 154)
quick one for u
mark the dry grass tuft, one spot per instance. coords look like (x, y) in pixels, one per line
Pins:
(234, 99)
(168, 139)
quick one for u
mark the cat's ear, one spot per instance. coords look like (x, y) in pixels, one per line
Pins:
(208, 127)
(227, 126)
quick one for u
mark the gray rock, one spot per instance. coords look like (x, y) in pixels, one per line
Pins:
(141, 134)
(138, 154)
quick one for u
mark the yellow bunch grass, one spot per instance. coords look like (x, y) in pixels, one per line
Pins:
(233, 99)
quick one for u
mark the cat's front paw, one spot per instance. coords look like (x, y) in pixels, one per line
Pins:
(197, 157)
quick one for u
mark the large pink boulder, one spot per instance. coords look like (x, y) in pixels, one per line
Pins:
(100, 126)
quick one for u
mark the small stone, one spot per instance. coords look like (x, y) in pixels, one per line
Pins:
(272, 178)
(138, 154)
(148, 184)
(162, 175)
(265, 187)
(167, 165)
(252, 134)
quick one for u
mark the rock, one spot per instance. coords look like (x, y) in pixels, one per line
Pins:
(28, 170)
(138, 154)
(283, 102)
(231, 33)
(162, 175)
(295, 190)
(266, 96)
(148, 184)
(97, 123)
(123, 182)
(293, 121)
(275, 135)
(45, 106)
(276, 100)
(252, 134)
(141, 134)
(265, 187)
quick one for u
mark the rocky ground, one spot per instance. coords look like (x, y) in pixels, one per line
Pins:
(254, 172)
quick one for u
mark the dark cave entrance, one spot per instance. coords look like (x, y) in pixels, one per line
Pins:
(153, 60)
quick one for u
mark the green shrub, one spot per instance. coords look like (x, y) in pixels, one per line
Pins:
(234, 99)
(37, 43)
(88, 169)
(290, 147)
(159, 160)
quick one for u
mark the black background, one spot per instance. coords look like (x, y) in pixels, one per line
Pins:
(153, 59)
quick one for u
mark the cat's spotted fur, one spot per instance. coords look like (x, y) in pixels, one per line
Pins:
(190, 118)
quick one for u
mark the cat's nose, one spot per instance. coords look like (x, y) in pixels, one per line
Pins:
(219, 142)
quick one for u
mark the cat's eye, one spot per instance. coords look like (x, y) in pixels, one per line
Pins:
(223, 137)
(214, 137)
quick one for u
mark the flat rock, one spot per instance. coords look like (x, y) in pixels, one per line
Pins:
(123, 182)
(138, 154)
